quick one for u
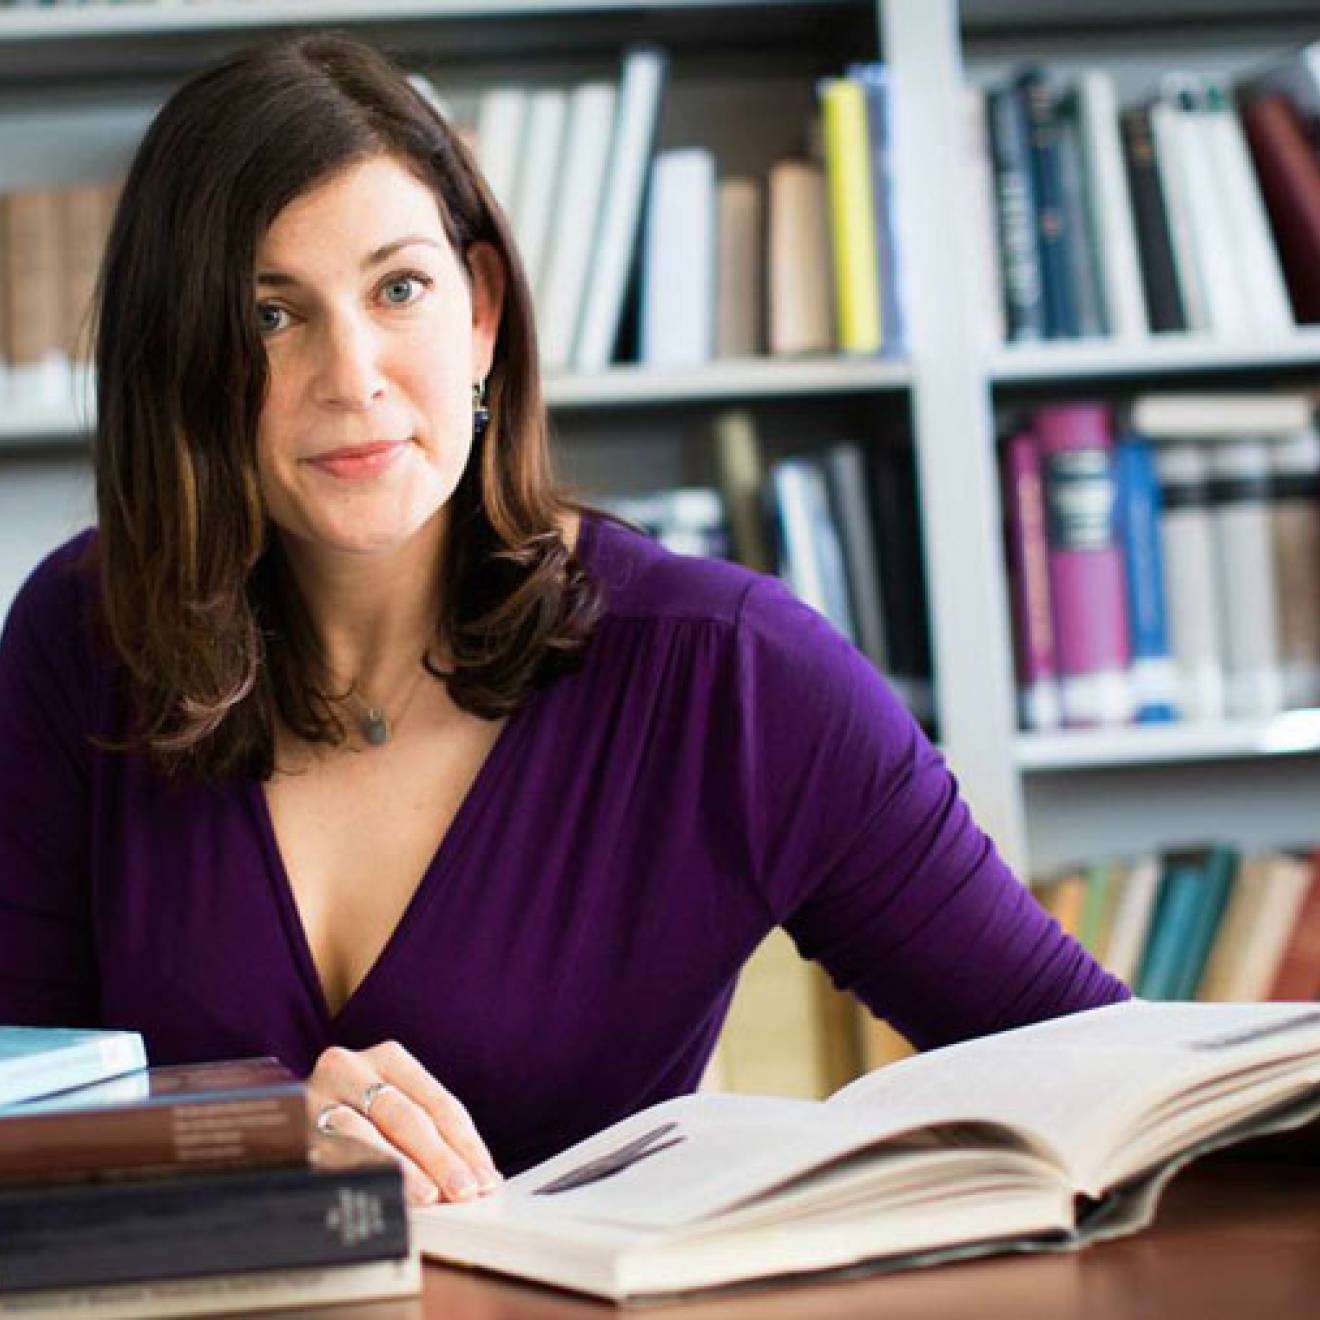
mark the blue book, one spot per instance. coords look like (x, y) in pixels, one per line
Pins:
(1154, 673)
(40, 1060)
(1052, 235)
(1177, 912)
(1219, 868)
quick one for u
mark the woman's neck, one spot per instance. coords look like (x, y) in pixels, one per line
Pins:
(375, 615)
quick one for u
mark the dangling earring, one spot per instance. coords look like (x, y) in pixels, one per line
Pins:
(480, 413)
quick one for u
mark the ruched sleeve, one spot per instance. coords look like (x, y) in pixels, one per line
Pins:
(866, 853)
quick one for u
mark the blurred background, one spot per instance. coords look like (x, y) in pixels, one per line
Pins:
(990, 326)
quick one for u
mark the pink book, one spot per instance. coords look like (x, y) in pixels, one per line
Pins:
(1085, 563)
(1029, 583)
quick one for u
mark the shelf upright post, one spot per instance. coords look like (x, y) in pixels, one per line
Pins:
(952, 417)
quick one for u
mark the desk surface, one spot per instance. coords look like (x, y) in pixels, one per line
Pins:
(1231, 1240)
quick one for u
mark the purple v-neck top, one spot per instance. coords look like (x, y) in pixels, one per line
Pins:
(722, 763)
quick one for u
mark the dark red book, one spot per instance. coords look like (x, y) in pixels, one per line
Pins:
(170, 1119)
(1289, 172)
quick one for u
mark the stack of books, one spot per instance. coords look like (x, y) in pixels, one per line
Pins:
(180, 1190)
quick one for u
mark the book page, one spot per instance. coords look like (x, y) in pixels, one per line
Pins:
(1081, 1085)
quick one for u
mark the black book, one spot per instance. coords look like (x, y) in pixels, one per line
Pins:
(345, 1205)
(1159, 277)
(1052, 237)
(903, 579)
(1015, 213)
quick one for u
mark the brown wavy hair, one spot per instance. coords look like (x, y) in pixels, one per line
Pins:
(195, 598)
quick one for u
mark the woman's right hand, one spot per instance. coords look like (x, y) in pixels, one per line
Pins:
(384, 1097)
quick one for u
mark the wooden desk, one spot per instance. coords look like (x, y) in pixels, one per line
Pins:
(1232, 1241)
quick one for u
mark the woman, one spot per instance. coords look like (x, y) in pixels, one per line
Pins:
(347, 738)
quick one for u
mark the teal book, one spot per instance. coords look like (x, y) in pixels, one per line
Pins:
(1176, 915)
(1219, 867)
(40, 1060)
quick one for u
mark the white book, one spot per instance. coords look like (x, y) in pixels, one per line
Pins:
(739, 268)
(1211, 416)
(1132, 918)
(1169, 132)
(983, 242)
(1218, 259)
(1187, 542)
(636, 115)
(1267, 896)
(812, 556)
(534, 194)
(991, 1145)
(1244, 556)
(501, 121)
(678, 261)
(573, 227)
(245, 1293)
(799, 271)
(1252, 241)
(1102, 152)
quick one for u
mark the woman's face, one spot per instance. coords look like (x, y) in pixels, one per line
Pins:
(374, 338)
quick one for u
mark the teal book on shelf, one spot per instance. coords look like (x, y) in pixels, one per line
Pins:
(1219, 868)
(1177, 914)
(40, 1060)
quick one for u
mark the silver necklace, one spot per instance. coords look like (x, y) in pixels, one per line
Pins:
(375, 725)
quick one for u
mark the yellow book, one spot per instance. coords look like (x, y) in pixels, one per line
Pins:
(881, 1043)
(852, 214)
(789, 1031)
(1064, 901)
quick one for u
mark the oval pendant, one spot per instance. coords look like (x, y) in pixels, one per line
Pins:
(376, 728)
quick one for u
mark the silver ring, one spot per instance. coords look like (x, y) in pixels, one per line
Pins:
(325, 1117)
(372, 1094)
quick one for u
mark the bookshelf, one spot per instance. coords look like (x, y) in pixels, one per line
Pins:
(755, 60)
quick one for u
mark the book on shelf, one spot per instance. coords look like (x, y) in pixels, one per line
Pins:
(679, 247)
(245, 1293)
(158, 1120)
(1194, 206)
(1085, 563)
(1137, 509)
(799, 286)
(1216, 538)
(536, 187)
(343, 1205)
(689, 520)
(36, 1061)
(1039, 702)
(563, 276)
(852, 215)
(992, 1145)
(740, 268)
(980, 185)
(1197, 922)
(637, 111)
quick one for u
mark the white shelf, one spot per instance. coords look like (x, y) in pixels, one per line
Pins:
(735, 380)
(1161, 354)
(1295, 732)
(96, 20)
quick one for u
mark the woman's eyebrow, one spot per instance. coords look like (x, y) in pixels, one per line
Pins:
(280, 280)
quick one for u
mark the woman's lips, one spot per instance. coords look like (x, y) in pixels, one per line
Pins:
(359, 462)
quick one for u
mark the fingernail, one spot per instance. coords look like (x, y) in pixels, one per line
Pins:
(461, 1185)
(491, 1178)
(425, 1193)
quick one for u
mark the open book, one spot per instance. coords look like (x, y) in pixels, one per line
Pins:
(1042, 1138)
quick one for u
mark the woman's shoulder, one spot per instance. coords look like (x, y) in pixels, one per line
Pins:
(55, 597)
(642, 579)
